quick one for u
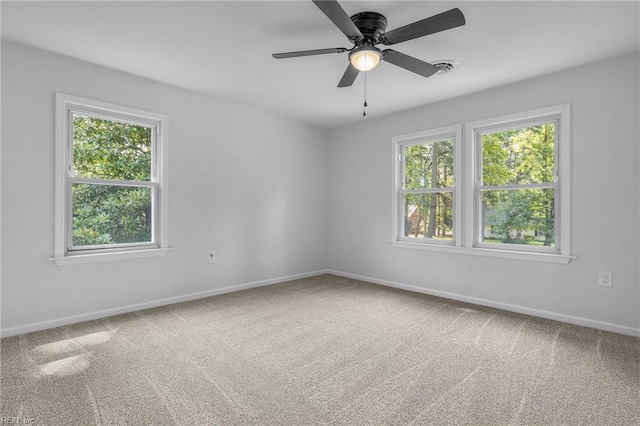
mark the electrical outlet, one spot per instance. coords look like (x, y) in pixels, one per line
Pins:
(212, 257)
(343, 247)
(605, 279)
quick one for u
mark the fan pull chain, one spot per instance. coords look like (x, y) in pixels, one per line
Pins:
(364, 109)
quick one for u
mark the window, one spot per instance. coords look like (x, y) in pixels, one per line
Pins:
(516, 189)
(426, 186)
(510, 200)
(111, 181)
(520, 186)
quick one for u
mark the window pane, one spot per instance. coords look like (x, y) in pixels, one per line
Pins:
(110, 150)
(429, 216)
(429, 165)
(108, 214)
(519, 156)
(519, 216)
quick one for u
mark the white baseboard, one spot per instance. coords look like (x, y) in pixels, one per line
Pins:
(586, 322)
(43, 325)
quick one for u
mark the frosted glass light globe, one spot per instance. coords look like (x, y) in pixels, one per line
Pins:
(365, 59)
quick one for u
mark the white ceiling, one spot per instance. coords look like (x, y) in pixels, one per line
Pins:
(224, 48)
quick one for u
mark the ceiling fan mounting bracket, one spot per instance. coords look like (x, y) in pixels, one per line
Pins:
(372, 25)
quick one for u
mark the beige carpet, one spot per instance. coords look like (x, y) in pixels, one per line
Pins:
(323, 350)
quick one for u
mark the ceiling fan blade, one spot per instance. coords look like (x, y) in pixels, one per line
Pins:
(409, 63)
(444, 21)
(349, 76)
(339, 17)
(308, 52)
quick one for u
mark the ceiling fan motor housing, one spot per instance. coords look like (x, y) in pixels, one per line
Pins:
(371, 25)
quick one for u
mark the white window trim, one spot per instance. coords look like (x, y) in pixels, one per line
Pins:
(433, 135)
(563, 185)
(466, 215)
(66, 103)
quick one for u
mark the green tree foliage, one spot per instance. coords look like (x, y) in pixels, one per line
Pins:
(110, 214)
(520, 156)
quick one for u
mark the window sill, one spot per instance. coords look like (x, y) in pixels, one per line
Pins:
(76, 259)
(477, 251)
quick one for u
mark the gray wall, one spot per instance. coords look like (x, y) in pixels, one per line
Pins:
(248, 184)
(604, 222)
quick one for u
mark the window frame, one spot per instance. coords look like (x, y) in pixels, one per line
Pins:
(64, 251)
(467, 168)
(480, 187)
(474, 130)
(430, 136)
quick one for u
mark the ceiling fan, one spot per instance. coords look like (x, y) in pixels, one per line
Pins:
(367, 29)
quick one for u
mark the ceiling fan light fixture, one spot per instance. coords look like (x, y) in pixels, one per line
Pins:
(365, 58)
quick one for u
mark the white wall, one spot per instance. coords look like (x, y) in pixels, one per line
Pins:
(264, 192)
(248, 184)
(604, 233)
